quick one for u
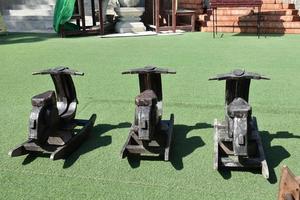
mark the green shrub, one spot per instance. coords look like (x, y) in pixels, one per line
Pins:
(2, 25)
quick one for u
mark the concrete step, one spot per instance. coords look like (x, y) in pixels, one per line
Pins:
(29, 27)
(251, 30)
(29, 15)
(29, 23)
(36, 6)
(29, 12)
(34, 2)
(25, 18)
(288, 25)
(34, 23)
(284, 18)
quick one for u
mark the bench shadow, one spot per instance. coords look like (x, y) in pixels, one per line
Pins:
(226, 173)
(33, 156)
(274, 155)
(134, 160)
(182, 146)
(96, 140)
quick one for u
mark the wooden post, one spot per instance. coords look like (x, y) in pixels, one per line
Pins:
(77, 11)
(193, 22)
(82, 14)
(174, 10)
(93, 12)
(101, 18)
(153, 12)
(157, 8)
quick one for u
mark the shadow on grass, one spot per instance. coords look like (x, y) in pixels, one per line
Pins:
(32, 156)
(184, 145)
(181, 147)
(18, 38)
(274, 155)
(262, 35)
(134, 160)
(96, 140)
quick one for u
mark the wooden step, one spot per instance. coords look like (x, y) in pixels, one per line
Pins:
(253, 24)
(251, 30)
(284, 18)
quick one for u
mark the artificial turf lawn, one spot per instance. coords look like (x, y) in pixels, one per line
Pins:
(95, 170)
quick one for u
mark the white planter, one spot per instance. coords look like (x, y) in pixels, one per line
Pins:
(129, 3)
(130, 11)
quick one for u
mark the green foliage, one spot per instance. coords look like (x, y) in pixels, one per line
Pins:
(2, 25)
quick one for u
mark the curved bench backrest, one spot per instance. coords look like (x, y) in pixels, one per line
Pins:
(65, 90)
(237, 84)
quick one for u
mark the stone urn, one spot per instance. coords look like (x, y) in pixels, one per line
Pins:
(129, 3)
(130, 17)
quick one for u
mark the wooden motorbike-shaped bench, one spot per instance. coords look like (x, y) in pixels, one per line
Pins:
(149, 134)
(53, 128)
(237, 143)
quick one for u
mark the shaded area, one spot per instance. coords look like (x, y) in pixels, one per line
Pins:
(181, 146)
(34, 155)
(226, 172)
(274, 155)
(184, 145)
(265, 35)
(18, 38)
(134, 160)
(271, 24)
(96, 140)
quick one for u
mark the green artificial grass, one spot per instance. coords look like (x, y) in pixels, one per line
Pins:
(95, 170)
